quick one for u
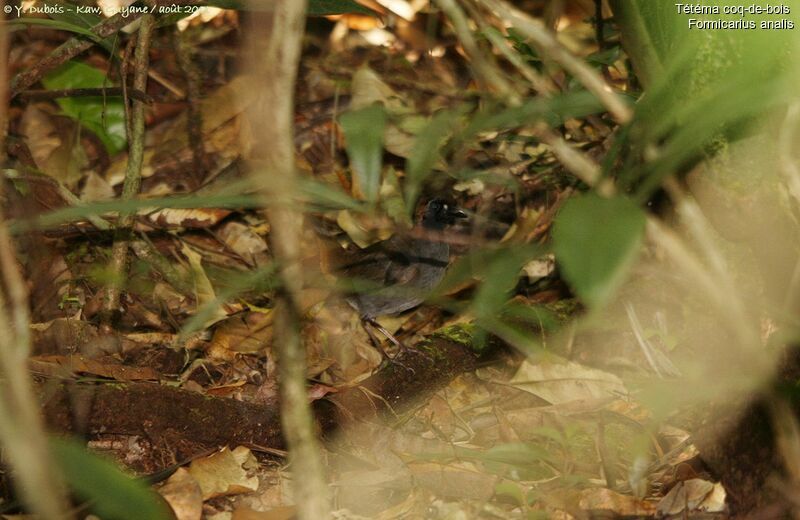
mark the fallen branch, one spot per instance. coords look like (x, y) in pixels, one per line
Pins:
(174, 417)
(133, 172)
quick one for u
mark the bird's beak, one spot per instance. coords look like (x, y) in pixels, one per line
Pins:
(456, 213)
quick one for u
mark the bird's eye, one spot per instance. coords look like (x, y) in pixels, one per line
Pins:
(444, 207)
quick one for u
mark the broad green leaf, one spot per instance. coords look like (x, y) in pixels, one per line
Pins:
(363, 130)
(595, 240)
(498, 269)
(704, 88)
(112, 493)
(103, 116)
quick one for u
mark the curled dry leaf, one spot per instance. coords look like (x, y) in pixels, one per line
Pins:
(221, 130)
(245, 242)
(77, 364)
(241, 333)
(182, 492)
(204, 291)
(95, 188)
(226, 472)
(52, 154)
(560, 381)
(399, 138)
(455, 481)
(540, 268)
(364, 230)
(693, 495)
(196, 218)
(601, 499)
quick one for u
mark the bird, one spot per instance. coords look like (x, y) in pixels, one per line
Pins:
(400, 271)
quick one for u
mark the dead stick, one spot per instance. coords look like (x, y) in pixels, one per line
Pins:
(45, 95)
(133, 172)
(164, 413)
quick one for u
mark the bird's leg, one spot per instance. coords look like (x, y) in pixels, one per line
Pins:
(394, 341)
(366, 322)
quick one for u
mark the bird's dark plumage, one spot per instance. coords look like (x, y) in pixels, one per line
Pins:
(402, 269)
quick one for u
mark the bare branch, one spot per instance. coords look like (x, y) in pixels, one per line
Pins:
(21, 427)
(275, 173)
(552, 48)
(133, 172)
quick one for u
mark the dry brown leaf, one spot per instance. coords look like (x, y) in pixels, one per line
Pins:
(278, 513)
(221, 107)
(184, 495)
(61, 335)
(42, 140)
(196, 218)
(602, 499)
(241, 333)
(56, 365)
(95, 188)
(691, 496)
(225, 472)
(204, 291)
(368, 88)
(454, 481)
(561, 381)
(364, 230)
(245, 242)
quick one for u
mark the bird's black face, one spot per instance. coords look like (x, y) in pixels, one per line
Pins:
(439, 213)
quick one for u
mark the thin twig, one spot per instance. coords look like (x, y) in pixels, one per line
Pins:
(487, 71)
(274, 171)
(194, 112)
(21, 430)
(68, 50)
(44, 95)
(547, 43)
(133, 172)
(577, 162)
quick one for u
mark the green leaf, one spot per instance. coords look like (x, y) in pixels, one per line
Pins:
(595, 241)
(325, 7)
(68, 13)
(704, 88)
(315, 7)
(426, 154)
(554, 111)
(103, 116)
(325, 196)
(500, 276)
(363, 130)
(112, 493)
(60, 25)
(73, 213)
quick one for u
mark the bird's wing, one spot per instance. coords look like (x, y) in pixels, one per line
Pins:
(386, 263)
(402, 269)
